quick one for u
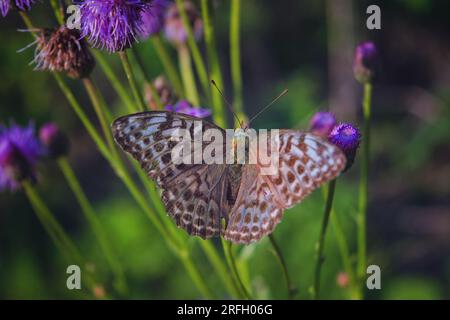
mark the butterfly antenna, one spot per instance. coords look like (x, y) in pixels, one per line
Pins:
(230, 106)
(285, 91)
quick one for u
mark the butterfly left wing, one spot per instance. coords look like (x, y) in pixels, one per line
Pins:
(194, 194)
(306, 161)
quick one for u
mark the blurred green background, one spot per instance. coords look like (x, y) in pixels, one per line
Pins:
(306, 46)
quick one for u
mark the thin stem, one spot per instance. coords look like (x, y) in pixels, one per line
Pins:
(363, 184)
(187, 75)
(235, 59)
(102, 113)
(214, 66)
(94, 223)
(279, 255)
(132, 80)
(58, 11)
(168, 64)
(218, 265)
(196, 55)
(153, 91)
(83, 117)
(321, 243)
(115, 82)
(227, 247)
(195, 275)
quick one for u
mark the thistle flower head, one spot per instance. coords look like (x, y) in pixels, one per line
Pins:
(173, 25)
(322, 123)
(183, 106)
(112, 24)
(365, 62)
(55, 142)
(164, 91)
(347, 138)
(19, 152)
(22, 5)
(61, 50)
(152, 18)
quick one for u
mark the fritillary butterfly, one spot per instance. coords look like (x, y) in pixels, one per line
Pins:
(199, 196)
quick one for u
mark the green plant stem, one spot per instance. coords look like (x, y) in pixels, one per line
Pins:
(321, 242)
(196, 55)
(90, 215)
(363, 185)
(214, 66)
(218, 265)
(168, 65)
(235, 59)
(227, 247)
(102, 114)
(153, 91)
(187, 75)
(56, 232)
(195, 274)
(132, 80)
(115, 82)
(279, 255)
(83, 117)
(58, 11)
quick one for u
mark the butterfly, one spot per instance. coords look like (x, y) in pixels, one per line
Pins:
(199, 196)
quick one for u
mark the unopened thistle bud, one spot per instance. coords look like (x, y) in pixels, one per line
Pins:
(322, 123)
(173, 26)
(164, 91)
(55, 142)
(366, 62)
(347, 138)
(61, 50)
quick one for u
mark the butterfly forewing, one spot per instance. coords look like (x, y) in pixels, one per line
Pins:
(194, 194)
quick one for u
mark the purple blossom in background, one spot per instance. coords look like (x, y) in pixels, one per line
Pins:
(23, 5)
(112, 24)
(54, 140)
(173, 25)
(322, 123)
(347, 138)
(183, 106)
(365, 62)
(153, 18)
(19, 152)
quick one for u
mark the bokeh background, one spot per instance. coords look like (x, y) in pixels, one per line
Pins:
(306, 46)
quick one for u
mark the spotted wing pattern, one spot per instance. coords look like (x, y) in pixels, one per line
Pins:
(306, 162)
(194, 195)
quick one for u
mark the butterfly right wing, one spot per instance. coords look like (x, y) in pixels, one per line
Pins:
(194, 194)
(306, 161)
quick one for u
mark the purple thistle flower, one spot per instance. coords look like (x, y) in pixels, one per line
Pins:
(22, 5)
(173, 24)
(19, 152)
(322, 123)
(365, 62)
(183, 106)
(112, 24)
(54, 140)
(153, 18)
(347, 138)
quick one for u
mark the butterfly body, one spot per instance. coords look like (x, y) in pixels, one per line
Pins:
(199, 196)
